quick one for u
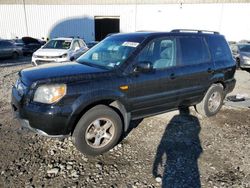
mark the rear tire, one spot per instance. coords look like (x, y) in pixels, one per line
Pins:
(212, 101)
(98, 130)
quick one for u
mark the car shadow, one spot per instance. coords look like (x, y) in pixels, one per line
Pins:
(176, 159)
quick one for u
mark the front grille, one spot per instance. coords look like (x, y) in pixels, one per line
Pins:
(46, 57)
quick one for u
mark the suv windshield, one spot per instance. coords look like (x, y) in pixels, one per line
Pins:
(244, 48)
(58, 44)
(111, 52)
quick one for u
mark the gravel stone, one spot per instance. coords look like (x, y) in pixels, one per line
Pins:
(53, 171)
(158, 179)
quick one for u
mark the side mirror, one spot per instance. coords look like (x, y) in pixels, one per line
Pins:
(143, 66)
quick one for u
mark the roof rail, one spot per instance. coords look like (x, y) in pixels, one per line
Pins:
(194, 30)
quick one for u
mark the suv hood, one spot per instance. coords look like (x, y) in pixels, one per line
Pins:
(59, 72)
(50, 52)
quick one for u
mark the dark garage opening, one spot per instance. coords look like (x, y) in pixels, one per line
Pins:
(106, 25)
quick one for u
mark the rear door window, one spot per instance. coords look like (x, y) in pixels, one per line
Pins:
(193, 50)
(219, 49)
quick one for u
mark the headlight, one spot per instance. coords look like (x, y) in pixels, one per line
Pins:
(50, 93)
(63, 56)
(35, 56)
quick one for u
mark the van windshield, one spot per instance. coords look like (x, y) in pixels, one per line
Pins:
(58, 44)
(110, 52)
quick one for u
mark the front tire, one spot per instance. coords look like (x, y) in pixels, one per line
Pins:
(98, 130)
(212, 102)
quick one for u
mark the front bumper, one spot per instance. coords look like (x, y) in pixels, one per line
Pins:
(24, 123)
(45, 120)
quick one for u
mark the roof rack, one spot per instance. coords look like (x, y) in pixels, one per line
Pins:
(194, 30)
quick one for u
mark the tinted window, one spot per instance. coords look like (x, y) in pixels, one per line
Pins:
(160, 53)
(219, 48)
(193, 50)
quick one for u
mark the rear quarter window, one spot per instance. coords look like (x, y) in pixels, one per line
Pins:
(193, 50)
(219, 48)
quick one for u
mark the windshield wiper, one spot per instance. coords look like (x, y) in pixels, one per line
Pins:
(93, 65)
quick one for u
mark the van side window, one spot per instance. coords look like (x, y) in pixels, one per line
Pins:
(161, 53)
(219, 49)
(193, 50)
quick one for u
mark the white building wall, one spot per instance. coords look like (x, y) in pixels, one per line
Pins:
(43, 20)
(12, 21)
(50, 20)
(229, 19)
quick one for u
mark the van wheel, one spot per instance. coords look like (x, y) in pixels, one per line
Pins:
(98, 130)
(212, 102)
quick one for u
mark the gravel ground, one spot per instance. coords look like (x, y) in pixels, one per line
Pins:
(169, 150)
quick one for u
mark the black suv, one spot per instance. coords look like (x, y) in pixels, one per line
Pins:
(123, 78)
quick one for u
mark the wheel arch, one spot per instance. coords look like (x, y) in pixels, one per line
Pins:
(218, 78)
(220, 82)
(115, 104)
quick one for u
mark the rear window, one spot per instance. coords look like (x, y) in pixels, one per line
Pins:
(219, 49)
(193, 50)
